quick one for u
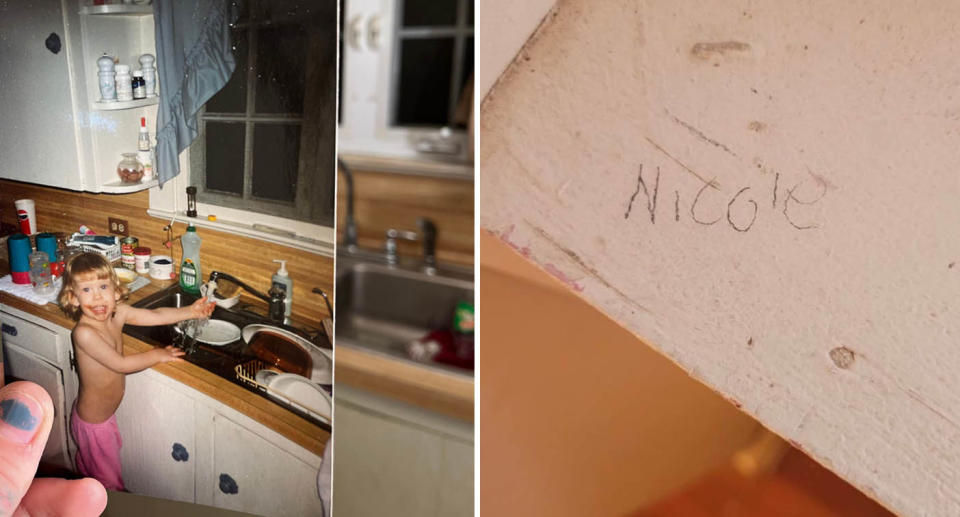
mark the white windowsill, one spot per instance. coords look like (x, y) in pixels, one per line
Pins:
(323, 245)
(418, 166)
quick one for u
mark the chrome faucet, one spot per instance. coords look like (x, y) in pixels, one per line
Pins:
(428, 235)
(390, 246)
(275, 299)
(350, 226)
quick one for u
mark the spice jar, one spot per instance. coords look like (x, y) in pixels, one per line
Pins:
(139, 85)
(124, 83)
(129, 169)
(141, 257)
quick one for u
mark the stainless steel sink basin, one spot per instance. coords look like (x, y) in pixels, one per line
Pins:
(382, 308)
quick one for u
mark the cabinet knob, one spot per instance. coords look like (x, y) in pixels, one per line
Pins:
(179, 453)
(53, 43)
(228, 485)
(9, 329)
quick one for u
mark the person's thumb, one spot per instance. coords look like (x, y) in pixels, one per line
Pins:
(26, 416)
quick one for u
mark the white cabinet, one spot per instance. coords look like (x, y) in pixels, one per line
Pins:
(395, 459)
(20, 364)
(36, 97)
(53, 133)
(225, 459)
(253, 475)
(37, 351)
(156, 423)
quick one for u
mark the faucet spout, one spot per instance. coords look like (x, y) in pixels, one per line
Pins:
(350, 226)
(274, 300)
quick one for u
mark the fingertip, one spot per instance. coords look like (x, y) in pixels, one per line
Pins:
(94, 494)
(25, 409)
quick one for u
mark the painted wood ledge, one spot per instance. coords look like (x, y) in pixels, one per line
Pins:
(444, 393)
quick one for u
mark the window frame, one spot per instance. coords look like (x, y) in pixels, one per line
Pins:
(370, 55)
(169, 202)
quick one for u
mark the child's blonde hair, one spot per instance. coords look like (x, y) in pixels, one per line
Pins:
(92, 265)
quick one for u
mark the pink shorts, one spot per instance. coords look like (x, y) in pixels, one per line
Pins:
(98, 449)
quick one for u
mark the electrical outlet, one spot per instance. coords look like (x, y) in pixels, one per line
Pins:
(118, 226)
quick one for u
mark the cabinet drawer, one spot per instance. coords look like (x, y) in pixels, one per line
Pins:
(30, 336)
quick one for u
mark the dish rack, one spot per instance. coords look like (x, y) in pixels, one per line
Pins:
(247, 373)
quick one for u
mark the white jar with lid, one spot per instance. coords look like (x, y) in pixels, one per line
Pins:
(108, 87)
(149, 74)
(124, 84)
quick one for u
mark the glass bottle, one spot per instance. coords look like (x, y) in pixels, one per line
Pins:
(191, 201)
(129, 169)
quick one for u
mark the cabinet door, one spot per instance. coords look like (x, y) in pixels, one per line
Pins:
(157, 425)
(21, 364)
(37, 136)
(398, 460)
(253, 475)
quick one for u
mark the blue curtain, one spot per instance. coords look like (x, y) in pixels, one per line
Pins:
(194, 61)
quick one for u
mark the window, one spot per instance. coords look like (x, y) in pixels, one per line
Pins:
(407, 77)
(267, 139)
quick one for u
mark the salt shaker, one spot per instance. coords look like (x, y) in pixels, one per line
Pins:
(108, 89)
(149, 74)
(124, 83)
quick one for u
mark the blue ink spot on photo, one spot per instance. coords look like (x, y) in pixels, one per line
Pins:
(17, 414)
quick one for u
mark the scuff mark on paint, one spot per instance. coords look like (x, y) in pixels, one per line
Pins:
(561, 276)
(705, 50)
(842, 357)
(678, 162)
(915, 396)
(700, 134)
(589, 270)
(757, 126)
(505, 238)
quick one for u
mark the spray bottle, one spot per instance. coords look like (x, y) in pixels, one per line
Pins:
(282, 280)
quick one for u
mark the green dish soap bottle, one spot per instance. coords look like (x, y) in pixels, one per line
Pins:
(191, 275)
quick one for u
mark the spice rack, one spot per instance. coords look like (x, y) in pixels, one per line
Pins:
(125, 105)
(124, 32)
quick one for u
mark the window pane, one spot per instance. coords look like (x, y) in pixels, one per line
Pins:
(276, 152)
(233, 97)
(418, 13)
(281, 55)
(423, 92)
(224, 158)
(470, 13)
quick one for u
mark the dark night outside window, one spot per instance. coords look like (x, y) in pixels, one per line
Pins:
(267, 138)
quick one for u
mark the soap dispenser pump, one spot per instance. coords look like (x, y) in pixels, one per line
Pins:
(281, 280)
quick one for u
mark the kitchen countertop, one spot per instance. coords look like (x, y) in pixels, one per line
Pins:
(264, 411)
(429, 388)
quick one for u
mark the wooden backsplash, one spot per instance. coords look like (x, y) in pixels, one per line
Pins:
(248, 259)
(391, 200)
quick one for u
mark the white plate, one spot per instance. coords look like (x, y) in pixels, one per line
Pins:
(322, 359)
(302, 392)
(218, 333)
(264, 376)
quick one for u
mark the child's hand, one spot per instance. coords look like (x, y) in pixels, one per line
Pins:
(168, 354)
(202, 308)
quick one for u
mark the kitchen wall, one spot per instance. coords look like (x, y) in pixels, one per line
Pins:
(573, 403)
(395, 200)
(248, 259)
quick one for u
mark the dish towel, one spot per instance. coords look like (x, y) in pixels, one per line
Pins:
(25, 291)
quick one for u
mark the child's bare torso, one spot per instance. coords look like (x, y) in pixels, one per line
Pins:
(101, 389)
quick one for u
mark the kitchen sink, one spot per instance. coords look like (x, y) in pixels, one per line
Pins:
(219, 360)
(382, 308)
